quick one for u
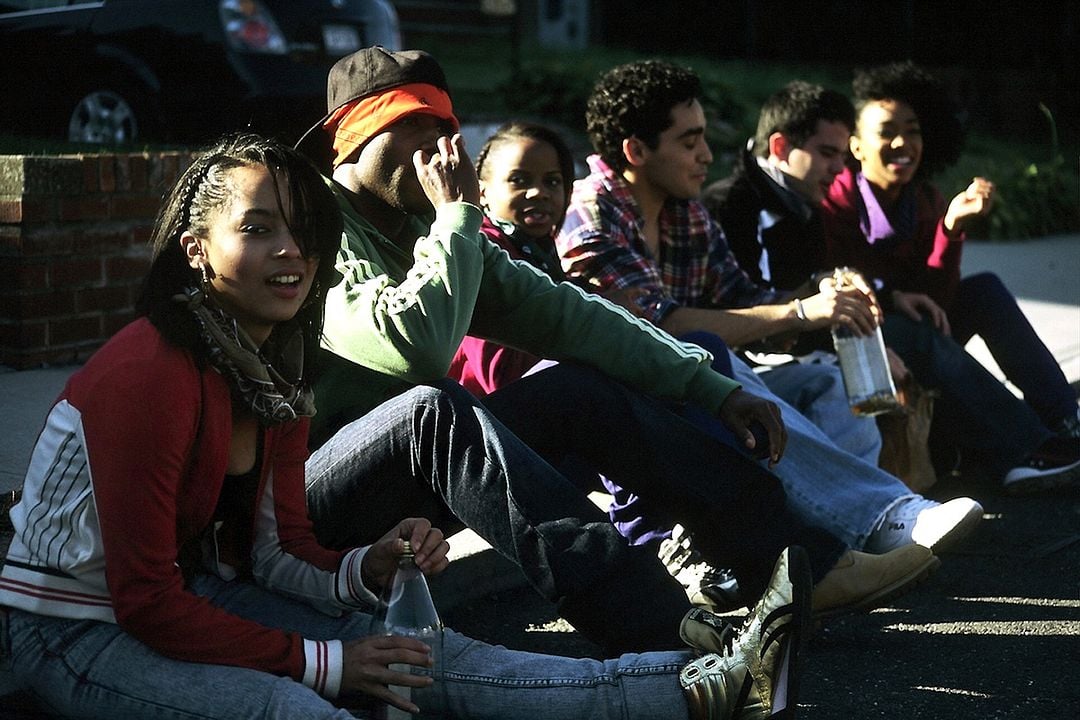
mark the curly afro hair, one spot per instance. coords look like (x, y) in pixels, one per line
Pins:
(635, 100)
(942, 132)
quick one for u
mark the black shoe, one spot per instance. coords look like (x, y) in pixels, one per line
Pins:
(1055, 464)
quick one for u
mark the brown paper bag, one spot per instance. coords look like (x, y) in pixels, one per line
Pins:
(904, 450)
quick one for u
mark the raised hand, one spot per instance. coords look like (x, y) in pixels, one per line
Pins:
(975, 200)
(447, 175)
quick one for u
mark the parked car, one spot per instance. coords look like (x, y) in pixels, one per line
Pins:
(121, 71)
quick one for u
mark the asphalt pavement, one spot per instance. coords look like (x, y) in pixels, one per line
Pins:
(994, 634)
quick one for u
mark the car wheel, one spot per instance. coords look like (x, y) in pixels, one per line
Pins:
(107, 117)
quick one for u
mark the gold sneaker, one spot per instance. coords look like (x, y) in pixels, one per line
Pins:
(751, 674)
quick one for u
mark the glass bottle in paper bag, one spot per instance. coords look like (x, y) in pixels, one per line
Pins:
(863, 363)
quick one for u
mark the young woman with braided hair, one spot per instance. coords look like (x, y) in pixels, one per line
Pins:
(163, 562)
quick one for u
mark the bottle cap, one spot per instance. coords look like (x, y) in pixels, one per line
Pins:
(407, 551)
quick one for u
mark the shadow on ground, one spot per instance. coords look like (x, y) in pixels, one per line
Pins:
(994, 634)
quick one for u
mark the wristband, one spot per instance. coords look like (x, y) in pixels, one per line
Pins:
(799, 312)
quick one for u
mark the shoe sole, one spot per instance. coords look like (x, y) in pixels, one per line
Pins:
(959, 531)
(1043, 481)
(886, 594)
(802, 626)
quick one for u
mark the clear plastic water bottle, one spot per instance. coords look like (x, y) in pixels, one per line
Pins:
(405, 608)
(863, 363)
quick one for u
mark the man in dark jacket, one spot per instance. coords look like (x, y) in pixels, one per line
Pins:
(769, 206)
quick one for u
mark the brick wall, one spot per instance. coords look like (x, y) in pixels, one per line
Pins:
(73, 249)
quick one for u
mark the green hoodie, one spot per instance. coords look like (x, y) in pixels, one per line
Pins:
(396, 320)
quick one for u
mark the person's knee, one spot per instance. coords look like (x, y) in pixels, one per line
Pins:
(983, 284)
(823, 382)
(446, 395)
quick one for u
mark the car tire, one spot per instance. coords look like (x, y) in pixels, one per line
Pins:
(111, 114)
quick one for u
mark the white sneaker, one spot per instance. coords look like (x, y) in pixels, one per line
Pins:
(937, 526)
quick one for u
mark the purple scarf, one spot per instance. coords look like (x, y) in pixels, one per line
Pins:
(883, 229)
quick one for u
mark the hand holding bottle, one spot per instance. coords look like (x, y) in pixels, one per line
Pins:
(366, 667)
(851, 304)
(427, 542)
(862, 358)
(406, 614)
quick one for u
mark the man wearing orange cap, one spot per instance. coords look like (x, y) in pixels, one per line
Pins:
(414, 284)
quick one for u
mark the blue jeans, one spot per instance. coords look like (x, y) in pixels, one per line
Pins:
(438, 449)
(816, 391)
(86, 668)
(826, 487)
(975, 411)
(437, 453)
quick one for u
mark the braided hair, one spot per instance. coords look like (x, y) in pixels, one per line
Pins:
(205, 188)
(517, 130)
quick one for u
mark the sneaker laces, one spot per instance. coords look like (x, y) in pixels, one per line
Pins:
(895, 527)
(689, 566)
(681, 559)
(675, 550)
(708, 633)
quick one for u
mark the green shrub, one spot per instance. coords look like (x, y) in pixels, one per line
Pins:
(1034, 198)
(552, 91)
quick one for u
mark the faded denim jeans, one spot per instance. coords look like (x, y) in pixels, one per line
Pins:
(87, 668)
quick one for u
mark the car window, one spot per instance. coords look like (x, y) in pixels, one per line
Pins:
(12, 6)
(7, 6)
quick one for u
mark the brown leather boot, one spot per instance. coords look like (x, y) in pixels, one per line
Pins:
(860, 581)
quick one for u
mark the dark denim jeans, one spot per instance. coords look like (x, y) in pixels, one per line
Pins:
(975, 412)
(984, 306)
(436, 452)
(735, 508)
(638, 519)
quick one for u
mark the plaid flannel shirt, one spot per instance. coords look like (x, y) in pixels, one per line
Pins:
(601, 242)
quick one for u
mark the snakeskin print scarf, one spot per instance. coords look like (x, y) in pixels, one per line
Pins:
(256, 384)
